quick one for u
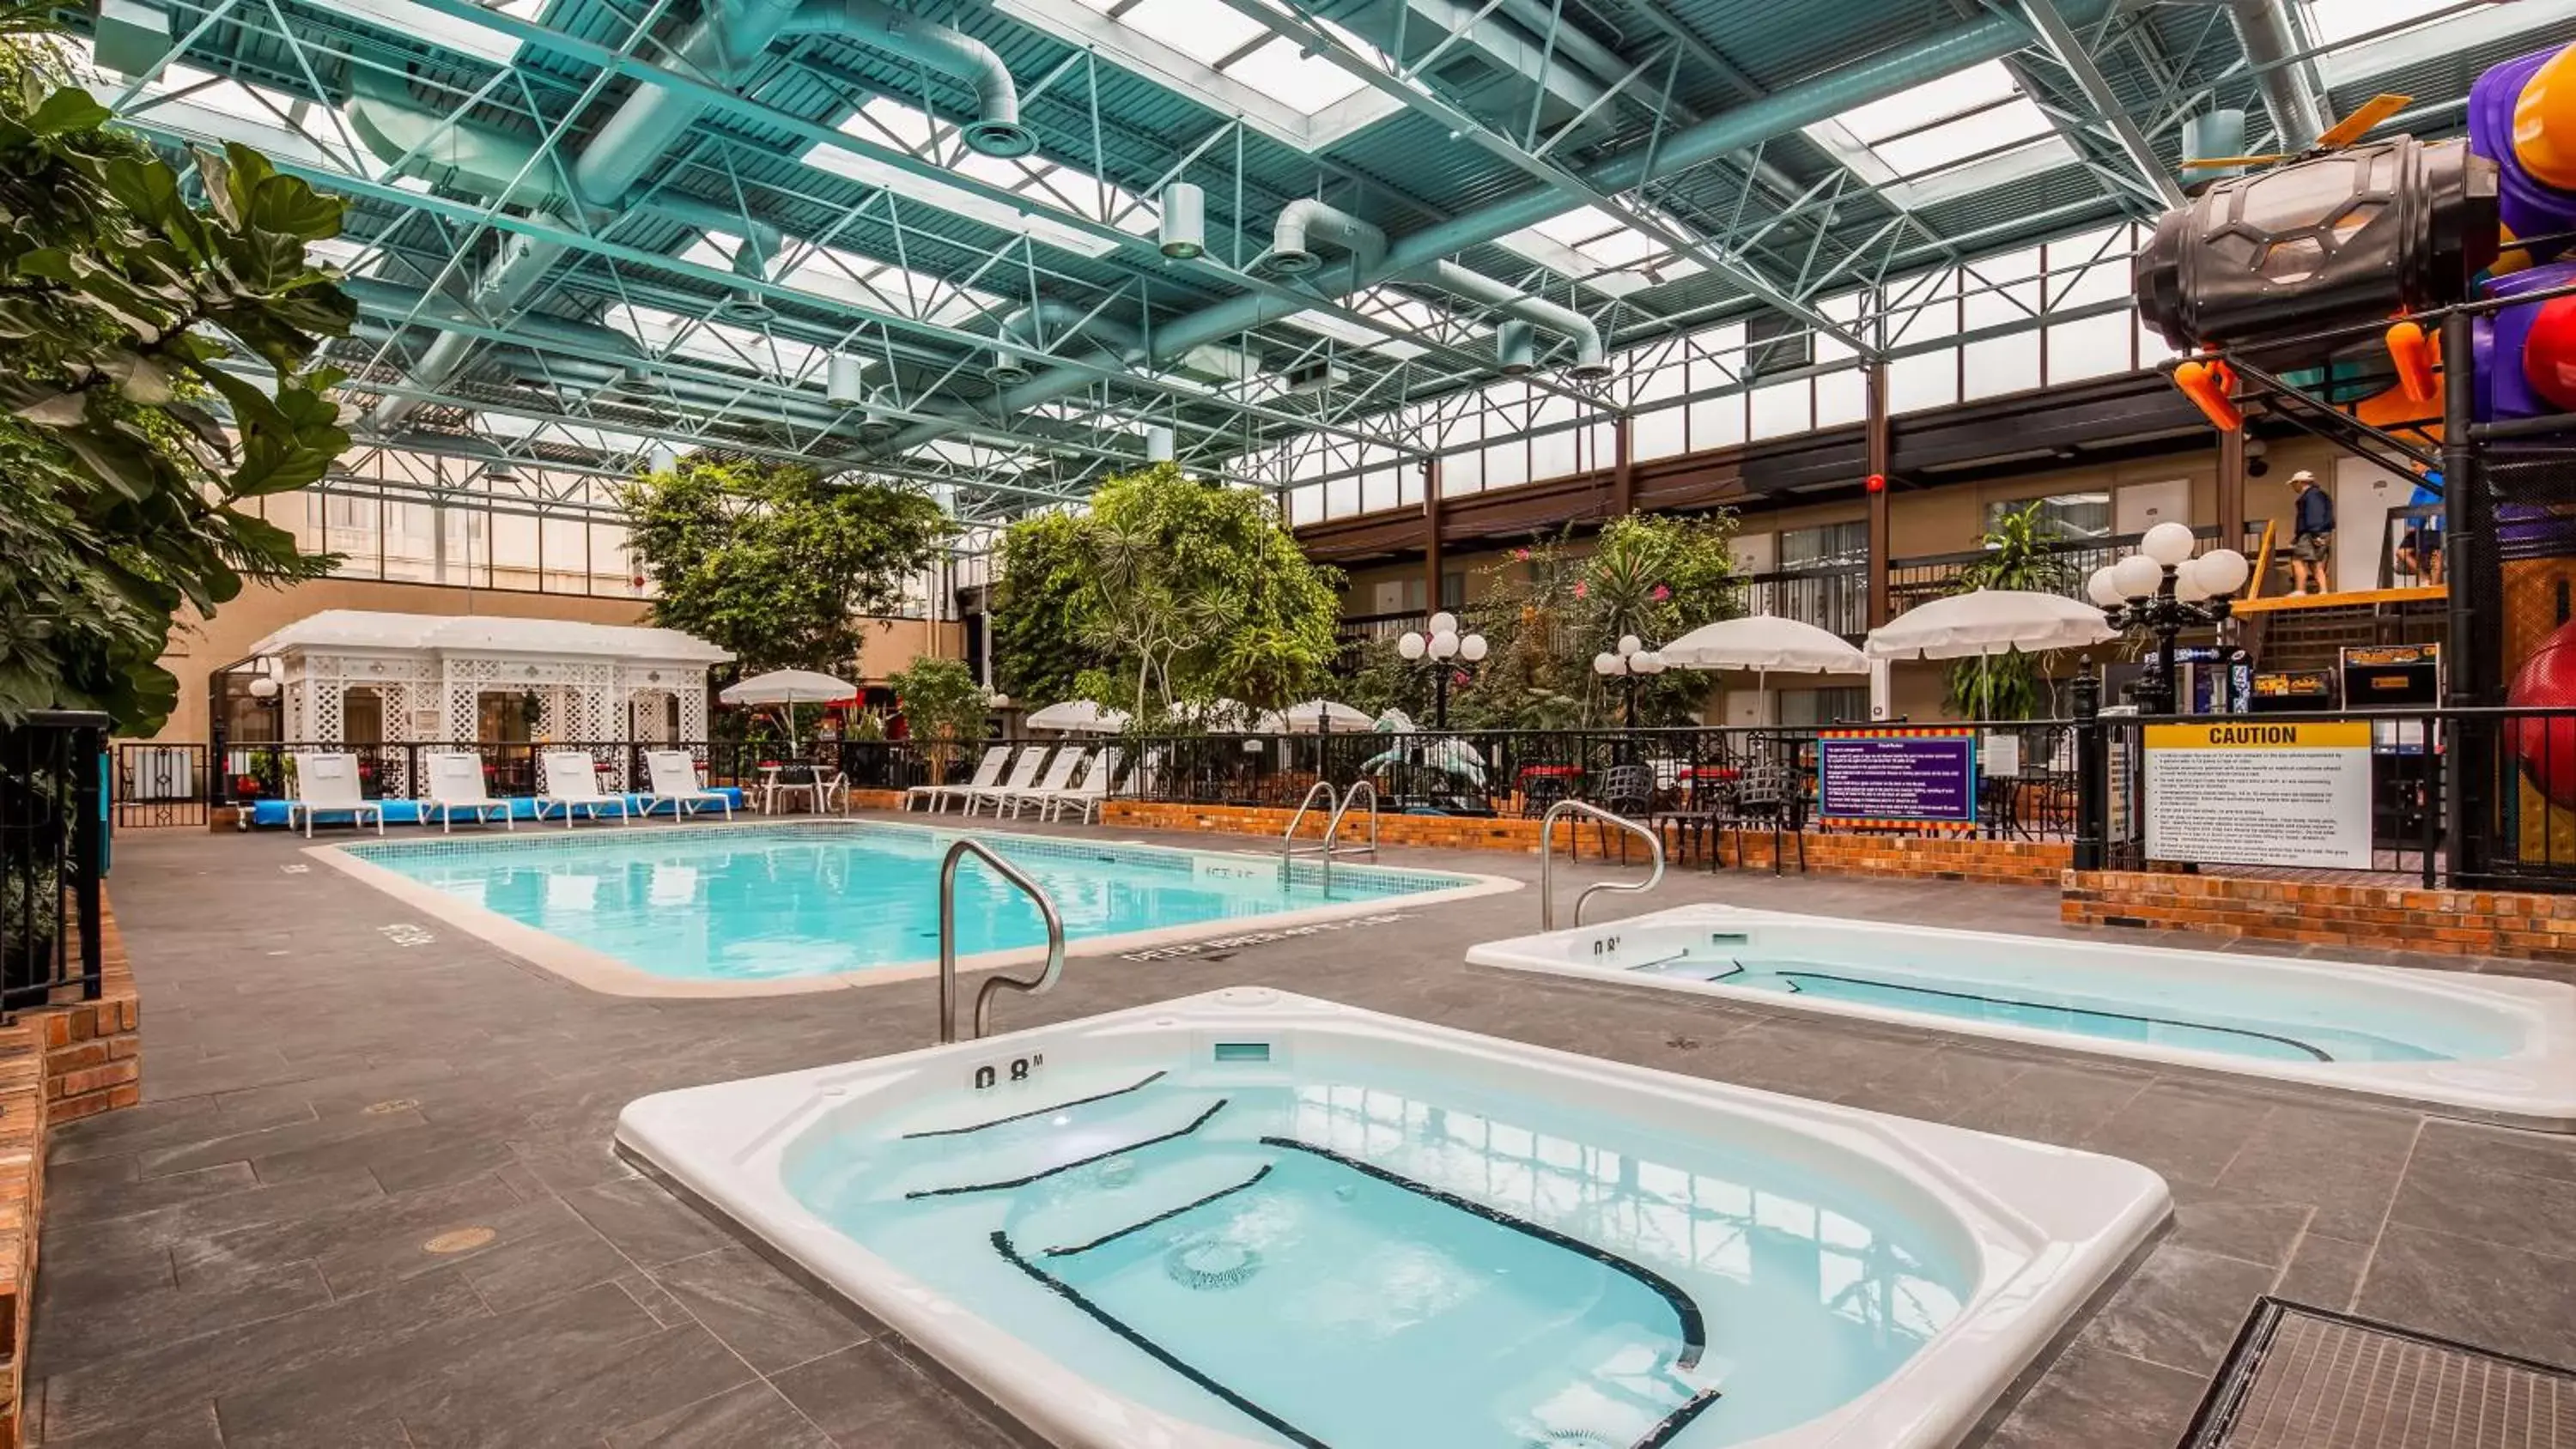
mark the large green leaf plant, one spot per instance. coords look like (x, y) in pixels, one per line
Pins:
(154, 378)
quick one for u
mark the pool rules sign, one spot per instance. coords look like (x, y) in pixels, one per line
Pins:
(2238, 792)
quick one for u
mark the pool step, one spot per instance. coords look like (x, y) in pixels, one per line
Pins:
(2305, 1378)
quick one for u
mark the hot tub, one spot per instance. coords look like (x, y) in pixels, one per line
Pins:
(1249, 1218)
(2497, 1048)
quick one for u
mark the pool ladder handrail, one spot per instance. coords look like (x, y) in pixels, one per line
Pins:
(1547, 859)
(1339, 804)
(1040, 985)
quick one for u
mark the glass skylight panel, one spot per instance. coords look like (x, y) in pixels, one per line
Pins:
(2330, 21)
(1206, 33)
(1981, 133)
(717, 342)
(1934, 100)
(1598, 249)
(888, 122)
(1303, 83)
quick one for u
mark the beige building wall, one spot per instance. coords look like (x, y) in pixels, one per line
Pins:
(199, 646)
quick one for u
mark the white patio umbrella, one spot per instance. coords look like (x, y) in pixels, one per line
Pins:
(1217, 716)
(1990, 621)
(1079, 717)
(1315, 716)
(788, 687)
(1765, 643)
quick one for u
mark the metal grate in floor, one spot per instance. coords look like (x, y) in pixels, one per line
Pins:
(2303, 1378)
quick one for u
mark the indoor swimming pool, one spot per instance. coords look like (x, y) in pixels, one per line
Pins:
(1248, 1218)
(710, 909)
(2491, 1046)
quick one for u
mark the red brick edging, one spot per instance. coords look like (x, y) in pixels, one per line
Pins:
(2445, 922)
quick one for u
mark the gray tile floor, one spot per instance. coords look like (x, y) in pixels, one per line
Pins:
(243, 1259)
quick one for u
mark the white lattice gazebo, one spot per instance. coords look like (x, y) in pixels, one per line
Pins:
(433, 679)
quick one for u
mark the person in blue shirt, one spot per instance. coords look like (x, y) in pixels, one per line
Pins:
(2311, 534)
(2420, 552)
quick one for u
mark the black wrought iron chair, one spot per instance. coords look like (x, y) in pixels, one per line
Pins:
(1767, 796)
(1627, 790)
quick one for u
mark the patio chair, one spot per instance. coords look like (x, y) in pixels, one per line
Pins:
(1627, 790)
(1095, 786)
(674, 776)
(1024, 773)
(1059, 775)
(572, 781)
(328, 784)
(456, 783)
(1767, 796)
(988, 773)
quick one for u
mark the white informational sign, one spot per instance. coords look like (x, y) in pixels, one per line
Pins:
(2240, 792)
(2000, 754)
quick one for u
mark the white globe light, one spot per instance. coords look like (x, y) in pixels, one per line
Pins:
(1648, 662)
(1605, 665)
(1444, 622)
(2136, 576)
(2167, 543)
(1630, 644)
(1472, 648)
(2101, 589)
(2223, 571)
(2188, 586)
(1411, 645)
(1444, 645)
(263, 687)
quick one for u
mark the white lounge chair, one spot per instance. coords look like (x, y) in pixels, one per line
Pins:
(1059, 775)
(675, 779)
(328, 784)
(1094, 788)
(1024, 774)
(572, 780)
(988, 773)
(456, 783)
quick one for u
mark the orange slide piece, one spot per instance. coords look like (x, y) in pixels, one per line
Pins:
(2414, 355)
(2211, 386)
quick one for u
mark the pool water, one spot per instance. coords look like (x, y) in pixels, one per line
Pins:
(1366, 1259)
(2138, 1012)
(755, 903)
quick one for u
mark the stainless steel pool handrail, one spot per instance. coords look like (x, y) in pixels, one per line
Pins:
(1288, 839)
(1547, 859)
(1045, 980)
(1351, 797)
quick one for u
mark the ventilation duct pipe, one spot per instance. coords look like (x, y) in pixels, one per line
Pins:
(1052, 324)
(2210, 134)
(1516, 348)
(845, 379)
(1591, 360)
(719, 49)
(395, 302)
(1306, 221)
(1184, 225)
(996, 129)
(1972, 42)
(750, 402)
(1158, 444)
(2264, 33)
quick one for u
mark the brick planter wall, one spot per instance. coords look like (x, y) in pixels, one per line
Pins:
(2446, 922)
(1995, 862)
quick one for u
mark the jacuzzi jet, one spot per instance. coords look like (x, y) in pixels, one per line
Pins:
(1211, 1263)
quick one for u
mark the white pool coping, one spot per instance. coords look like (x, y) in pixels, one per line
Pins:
(2533, 1086)
(2043, 1229)
(609, 975)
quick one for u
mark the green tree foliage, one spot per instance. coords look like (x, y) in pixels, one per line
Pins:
(2019, 554)
(1548, 609)
(945, 710)
(771, 561)
(1165, 590)
(1039, 653)
(126, 315)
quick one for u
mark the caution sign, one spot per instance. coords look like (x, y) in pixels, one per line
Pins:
(2240, 791)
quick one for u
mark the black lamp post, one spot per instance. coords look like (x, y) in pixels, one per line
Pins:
(1444, 649)
(1632, 662)
(2164, 590)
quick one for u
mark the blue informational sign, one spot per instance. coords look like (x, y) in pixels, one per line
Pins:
(1897, 777)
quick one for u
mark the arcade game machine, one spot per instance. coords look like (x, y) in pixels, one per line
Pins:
(2293, 691)
(2397, 676)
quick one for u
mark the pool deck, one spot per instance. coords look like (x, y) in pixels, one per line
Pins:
(252, 1257)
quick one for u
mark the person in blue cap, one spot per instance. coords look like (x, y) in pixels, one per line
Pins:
(2311, 534)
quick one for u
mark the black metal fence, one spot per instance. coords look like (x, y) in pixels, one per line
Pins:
(53, 856)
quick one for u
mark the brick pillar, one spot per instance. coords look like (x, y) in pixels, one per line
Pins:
(1623, 470)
